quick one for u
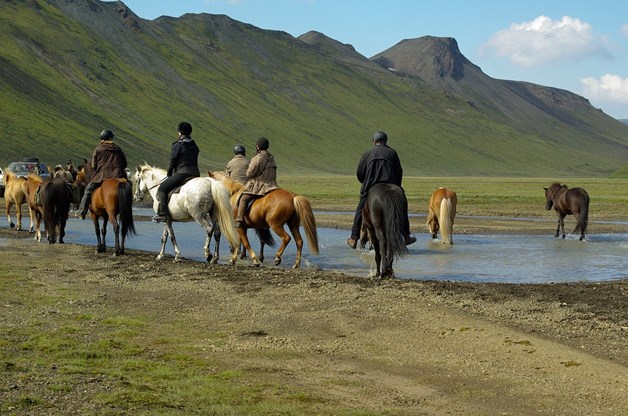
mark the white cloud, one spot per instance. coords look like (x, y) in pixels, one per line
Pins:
(545, 41)
(609, 88)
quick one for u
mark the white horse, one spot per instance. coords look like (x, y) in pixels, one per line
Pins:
(204, 200)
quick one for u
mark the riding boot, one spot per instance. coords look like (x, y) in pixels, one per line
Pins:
(162, 210)
(87, 197)
(242, 204)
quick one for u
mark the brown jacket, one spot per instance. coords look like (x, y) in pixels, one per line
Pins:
(262, 174)
(108, 161)
(236, 168)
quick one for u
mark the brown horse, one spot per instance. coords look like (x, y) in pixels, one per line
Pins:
(15, 194)
(55, 199)
(113, 202)
(273, 210)
(442, 211)
(567, 201)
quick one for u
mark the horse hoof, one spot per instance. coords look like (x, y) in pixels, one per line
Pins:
(13, 226)
(214, 261)
(159, 257)
(277, 261)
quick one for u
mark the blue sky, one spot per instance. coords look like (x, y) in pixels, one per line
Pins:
(577, 45)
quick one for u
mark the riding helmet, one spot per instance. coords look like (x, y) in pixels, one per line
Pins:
(106, 135)
(380, 136)
(262, 143)
(185, 128)
(239, 150)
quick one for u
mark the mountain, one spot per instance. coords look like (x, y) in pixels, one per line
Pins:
(70, 68)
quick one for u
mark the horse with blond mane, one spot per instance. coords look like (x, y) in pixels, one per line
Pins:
(442, 211)
(274, 210)
(15, 194)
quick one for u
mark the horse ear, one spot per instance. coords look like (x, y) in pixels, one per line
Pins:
(545, 188)
(139, 169)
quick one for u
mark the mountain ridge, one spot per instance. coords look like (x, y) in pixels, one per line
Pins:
(73, 68)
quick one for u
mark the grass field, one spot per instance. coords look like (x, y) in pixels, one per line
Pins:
(511, 197)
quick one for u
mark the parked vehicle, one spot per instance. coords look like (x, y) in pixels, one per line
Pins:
(28, 166)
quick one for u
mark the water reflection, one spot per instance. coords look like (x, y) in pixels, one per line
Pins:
(475, 258)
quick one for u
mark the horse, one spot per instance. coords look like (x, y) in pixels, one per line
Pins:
(274, 210)
(113, 202)
(15, 194)
(442, 211)
(31, 189)
(383, 217)
(55, 199)
(203, 200)
(574, 201)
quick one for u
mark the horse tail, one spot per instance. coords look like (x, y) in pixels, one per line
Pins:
(222, 196)
(396, 213)
(306, 217)
(49, 208)
(583, 219)
(125, 208)
(266, 237)
(446, 224)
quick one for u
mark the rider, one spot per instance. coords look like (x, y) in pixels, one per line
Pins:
(236, 168)
(183, 165)
(108, 161)
(379, 164)
(261, 179)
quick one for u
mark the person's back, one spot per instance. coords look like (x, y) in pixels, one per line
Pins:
(238, 165)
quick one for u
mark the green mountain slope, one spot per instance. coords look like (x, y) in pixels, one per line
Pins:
(68, 69)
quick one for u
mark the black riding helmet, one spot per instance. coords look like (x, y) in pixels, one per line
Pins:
(106, 135)
(262, 143)
(239, 150)
(380, 136)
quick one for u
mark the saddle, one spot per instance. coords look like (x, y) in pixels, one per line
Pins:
(178, 188)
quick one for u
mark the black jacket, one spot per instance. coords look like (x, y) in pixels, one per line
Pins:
(380, 164)
(184, 157)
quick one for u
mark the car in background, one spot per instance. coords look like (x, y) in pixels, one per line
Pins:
(28, 166)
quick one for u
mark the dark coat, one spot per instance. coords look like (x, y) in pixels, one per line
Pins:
(236, 168)
(184, 157)
(108, 161)
(380, 164)
(262, 174)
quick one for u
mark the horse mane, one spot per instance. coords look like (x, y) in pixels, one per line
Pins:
(9, 176)
(558, 184)
(155, 172)
(233, 186)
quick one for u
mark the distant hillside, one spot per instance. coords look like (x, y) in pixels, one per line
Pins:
(68, 69)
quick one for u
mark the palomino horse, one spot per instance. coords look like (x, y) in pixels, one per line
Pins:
(384, 214)
(113, 202)
(203, 200)
(273, 210)
(442, 211)
(15, 194)
(566, 202)
(33, 183)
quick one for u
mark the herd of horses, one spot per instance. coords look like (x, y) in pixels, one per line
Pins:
(210, 201)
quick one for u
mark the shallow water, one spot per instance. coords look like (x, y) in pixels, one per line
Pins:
(473, 258)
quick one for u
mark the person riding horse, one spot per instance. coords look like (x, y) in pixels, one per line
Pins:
(108, 161)
(183, 166)
(261, 179)
(380, 164)
(236, 168)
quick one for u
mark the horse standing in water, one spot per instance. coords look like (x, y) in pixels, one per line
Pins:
(273, 210)
(113, 202)
(442, 211)
(203, 200)
(567, 201)
(15, 194)
(383, 216)
(48, 199)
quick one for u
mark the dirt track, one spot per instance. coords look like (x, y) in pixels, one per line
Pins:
(411, 347)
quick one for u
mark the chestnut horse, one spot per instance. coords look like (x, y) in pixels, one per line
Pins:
(31, 187)
(15, 194)
(383, 217)
(567, 201)
(442, 211)
(113, 202)
(273, 210)
(48, 199)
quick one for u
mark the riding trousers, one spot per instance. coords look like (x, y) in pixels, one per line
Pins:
(357, 220)
(243, 202)
(167, 186)
(87, 196)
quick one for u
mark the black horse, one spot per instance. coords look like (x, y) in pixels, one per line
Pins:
(567, 201)
(55, 200)
(384, 215)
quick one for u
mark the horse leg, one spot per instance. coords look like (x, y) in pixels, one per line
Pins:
(247, 245)
(173, 240)
(18, 216)
(31, 214)
(8, 212)
(164, 240)
(99, 246)
(298, 240)
(116, 233)
(285, 239)
(103, 231)
(208, 226)
(62, 223)
(378, 254)
(561, 224)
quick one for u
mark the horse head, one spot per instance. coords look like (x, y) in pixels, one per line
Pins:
(433, 226)
(550, 194)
